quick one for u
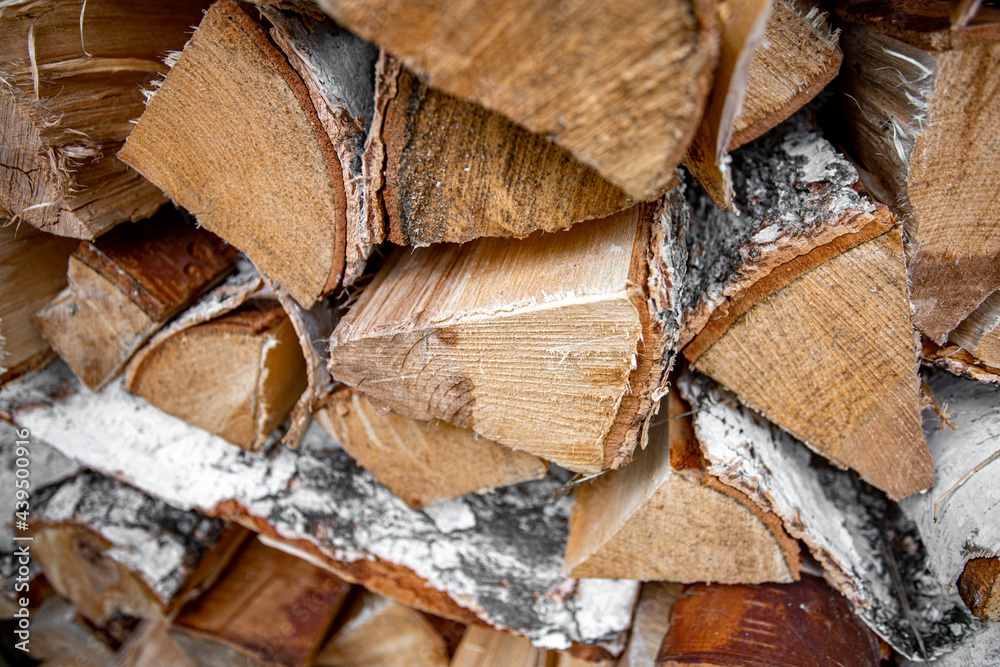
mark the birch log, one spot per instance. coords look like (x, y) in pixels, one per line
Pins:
(557, 345)
(800, 305)
(494, 559)
(74, 74)
(922, 114)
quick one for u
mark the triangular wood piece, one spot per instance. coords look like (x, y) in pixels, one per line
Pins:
(422, 462)
(74, 76)
(124, 287)
(557, 344)
(656, 519)
(800, 305)
(979, 333)
(267, 180)
(567, 73)
(924, 123)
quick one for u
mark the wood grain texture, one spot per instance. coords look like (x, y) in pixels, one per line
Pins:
(268, 180)
(75, 73)
(979, 587)
(958, 361)
(797, 58)
(110, 548)
(805, 624)
(564, 71)
(652, 620)
(32, 271)
(455, 171)
(422, 462)
(925, 24)
(925, 124)
(533, 344)
(483, 647)
(124, 287)
(651, 522)
(378, 632)
(267, 604)
(979, 333)
(240, 373)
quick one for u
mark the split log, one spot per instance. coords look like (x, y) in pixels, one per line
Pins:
(236, 376)
(926, 24)
(75, 73)
(979, 333)
(32, 271)
(959, 519)
(565, 72)
(805, 624)
(482, 647)
(379, 632)
(124, 287)
(281, 198)
(868, 550)
(558, 345)
(422, 462)
(653, 614)
(317, 503)
(922, 116)
(454, 171)
(268, 605)
(657, 519)
(110, 548)
(800, 306)
(796, 59)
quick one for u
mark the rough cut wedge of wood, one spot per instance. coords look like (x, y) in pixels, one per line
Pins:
(653, 614)
(804, 624)
(124, 287)
(267, 180)
(959, 518)
(493, 559)
(926, 24)
(925, 124)
(455, 171)
(657, 519)
(74, 74)
(800, 306)
(379, 632)
(565, 72)
(32, 271)
(237, 376)
(110, 548)
(422, 462)
(979, 333)
(858, 536)
(268, 605)
(558, 344)
(796, 59)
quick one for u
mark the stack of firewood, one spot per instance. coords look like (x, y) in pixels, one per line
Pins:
(500, 333)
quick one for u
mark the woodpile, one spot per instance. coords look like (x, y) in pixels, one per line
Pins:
(353, 332)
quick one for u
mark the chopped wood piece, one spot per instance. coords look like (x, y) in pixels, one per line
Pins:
(338, 69)
(924, 124)
(124, 287)
(926, 24)
(652, 620)
(236, 376)
(557, 345)
(379, 632)
(74, 75)
(267, 604)
(317, 503)
(979, 587)
(651, 521)
(482, 647)
(151, 646)
(32, 271)
(979, 333)
(959, 518)
(621, 87)
(422, 462)
(958, 361)
(800, 306)
(797, 58)
(110, 548)
(455, 171)
(280, 196)
(869, 551)
(804, 624)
